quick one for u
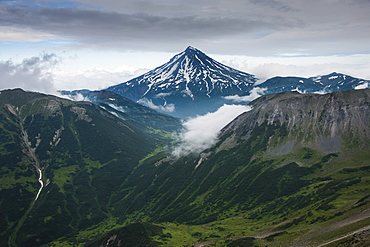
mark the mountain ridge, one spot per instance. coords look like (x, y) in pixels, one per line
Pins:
(100, 172)
(148, 119)
(332, 82)
(309, 187)
(191, 79)
(50, 148)
(191, 83)
(327, 118)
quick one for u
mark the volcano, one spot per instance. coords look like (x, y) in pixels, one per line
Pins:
(191, 83)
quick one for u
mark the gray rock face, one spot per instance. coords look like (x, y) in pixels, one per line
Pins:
(325, 121)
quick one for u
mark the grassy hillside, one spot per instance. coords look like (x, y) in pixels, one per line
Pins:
(82, 154)
(294, 171)
(274, 178)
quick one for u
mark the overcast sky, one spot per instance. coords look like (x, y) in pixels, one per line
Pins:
(49, 45)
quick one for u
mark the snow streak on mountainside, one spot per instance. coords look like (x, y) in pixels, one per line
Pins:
(189, 76)
(192, 84)
(191, 73)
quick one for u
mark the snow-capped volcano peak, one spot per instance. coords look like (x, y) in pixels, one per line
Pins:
(190, 74)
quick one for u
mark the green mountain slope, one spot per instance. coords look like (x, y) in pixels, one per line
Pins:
(149, 120)
(60, 163)
(293, 171)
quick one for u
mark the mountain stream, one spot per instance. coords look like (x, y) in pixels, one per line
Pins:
(31, 153)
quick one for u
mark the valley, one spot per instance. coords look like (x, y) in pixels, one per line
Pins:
(291, 170)
(219, 197)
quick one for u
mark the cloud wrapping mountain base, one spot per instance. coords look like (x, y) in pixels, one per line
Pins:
(201, 132)
(254, 94)
(149, 103)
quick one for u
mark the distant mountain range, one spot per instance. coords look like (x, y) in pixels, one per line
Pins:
(333, 82)
(292, 171)
(99, 170)
(192, 83)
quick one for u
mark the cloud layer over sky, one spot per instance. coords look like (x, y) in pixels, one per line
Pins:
(266, 27)
(31, 74)
(323, 35)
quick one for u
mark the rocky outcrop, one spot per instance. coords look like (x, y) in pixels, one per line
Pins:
(325, 121)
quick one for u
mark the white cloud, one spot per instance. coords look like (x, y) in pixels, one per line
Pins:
(255, 93)
(150, 104)
(201, 132)
(76, 97)
(93, 79)
(32, 74)
(267, 27)
(118, 108)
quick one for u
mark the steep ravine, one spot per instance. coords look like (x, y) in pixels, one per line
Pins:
(34, 160)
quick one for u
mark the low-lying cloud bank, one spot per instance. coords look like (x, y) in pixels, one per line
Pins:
(201, 132)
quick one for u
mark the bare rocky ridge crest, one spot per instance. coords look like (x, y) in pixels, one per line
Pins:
(323, 121)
